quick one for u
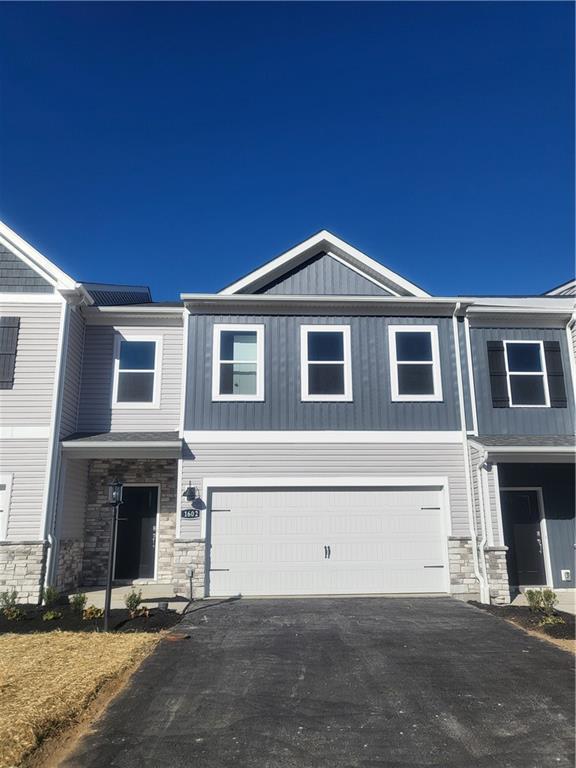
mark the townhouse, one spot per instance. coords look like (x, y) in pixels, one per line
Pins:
(320, 426)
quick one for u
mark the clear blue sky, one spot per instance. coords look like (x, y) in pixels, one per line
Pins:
(181, 145)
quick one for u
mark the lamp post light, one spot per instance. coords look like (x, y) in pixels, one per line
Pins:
(114, 501)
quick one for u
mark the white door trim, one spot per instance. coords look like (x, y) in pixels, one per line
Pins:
(543, 531)
(211, 483)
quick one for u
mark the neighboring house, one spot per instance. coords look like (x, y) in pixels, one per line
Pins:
(321, 426)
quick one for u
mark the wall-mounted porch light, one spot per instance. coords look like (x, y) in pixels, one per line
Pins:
(190, 493)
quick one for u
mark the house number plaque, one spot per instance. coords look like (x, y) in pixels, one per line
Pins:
(190, 514)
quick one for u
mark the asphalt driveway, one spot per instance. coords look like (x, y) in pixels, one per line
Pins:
(334, 683)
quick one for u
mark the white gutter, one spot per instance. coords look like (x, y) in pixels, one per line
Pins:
(484, 588)
(465, 449)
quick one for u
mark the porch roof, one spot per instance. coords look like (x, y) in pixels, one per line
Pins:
(111, 445)
(527, 448)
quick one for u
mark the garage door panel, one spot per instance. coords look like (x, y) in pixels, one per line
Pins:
(272, 541)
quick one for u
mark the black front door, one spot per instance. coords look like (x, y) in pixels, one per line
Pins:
(523, 537)
(136, 542)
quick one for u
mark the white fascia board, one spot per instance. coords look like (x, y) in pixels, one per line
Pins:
(73, 445)
(326, 241)
(524, 449)
(34, 259)
(566, 289)
(322, 436)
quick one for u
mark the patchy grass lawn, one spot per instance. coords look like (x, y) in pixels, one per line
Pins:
(47, 680)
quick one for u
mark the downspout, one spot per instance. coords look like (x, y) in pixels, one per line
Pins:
(456, 333)
(485, 590)
(54, 448)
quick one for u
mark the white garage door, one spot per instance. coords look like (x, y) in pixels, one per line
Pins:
(319, 541)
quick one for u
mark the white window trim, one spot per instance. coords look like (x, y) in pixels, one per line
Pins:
(6, 479)
(543, 373)
(346, 397)
(259, 330)
(155, 403)
(437, 396)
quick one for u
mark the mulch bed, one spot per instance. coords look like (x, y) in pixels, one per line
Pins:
(525, 618)
(120, 621)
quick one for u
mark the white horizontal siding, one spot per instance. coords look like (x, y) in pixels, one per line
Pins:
(72, 374)
(96, 412)
(73, 499)
(300, 460)
(26, 461)
(29, 402)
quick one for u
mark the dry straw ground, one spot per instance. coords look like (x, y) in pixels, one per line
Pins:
(48, 679)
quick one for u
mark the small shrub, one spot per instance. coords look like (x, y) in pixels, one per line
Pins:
(549, 601)
(550, 620)
(92, 613)
(14, 613)
(534, 597)
(51, 615)
(78, 602)
(132, 602)
(51, 596)
(8, 601)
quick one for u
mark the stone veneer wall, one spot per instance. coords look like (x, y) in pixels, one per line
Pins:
(69, 567)
(463, 582)
(189, 564)
(497, 571)
(22, 568)
(98, 516)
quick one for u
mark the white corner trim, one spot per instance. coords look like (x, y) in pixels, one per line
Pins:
(120, 336)
(323, 437)
(436, 396)
(184, 377)
(471, 382)
(344, 397)
(219, 328)
(327, 241)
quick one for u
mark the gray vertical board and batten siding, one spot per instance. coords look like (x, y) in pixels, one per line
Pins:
(557, 482)
(18, 277)
(322, 275)
(519, 421)
(282, 409)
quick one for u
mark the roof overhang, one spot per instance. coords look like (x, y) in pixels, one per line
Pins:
(527, 454)
(71, 290)
(138, 447)
(325, 242)
(145, 313)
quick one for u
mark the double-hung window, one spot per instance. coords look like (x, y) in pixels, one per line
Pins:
(238, 362)
(326, 363)
(526, 373)
(415, 363)
(137, 372)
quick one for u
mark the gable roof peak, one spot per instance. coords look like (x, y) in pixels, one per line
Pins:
(325, 241)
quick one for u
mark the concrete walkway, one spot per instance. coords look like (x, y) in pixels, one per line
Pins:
(152, 595)
(349, 683)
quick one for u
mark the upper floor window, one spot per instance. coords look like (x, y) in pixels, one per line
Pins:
(326, 363)
(238, 362)
(414, 363)
(526, 373)
(136, 372)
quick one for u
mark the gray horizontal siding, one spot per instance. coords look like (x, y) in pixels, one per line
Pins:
(72, 502)
(323, 275)
(372, 408)
(29, 402)
(96, 412)
(519, 421)
(26, 461)
(72, 374)
(329, 460)
(18, 277)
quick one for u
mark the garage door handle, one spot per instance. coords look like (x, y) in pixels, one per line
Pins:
(433, 566)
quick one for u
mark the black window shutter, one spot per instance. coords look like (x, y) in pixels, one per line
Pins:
(497, 369)
(9, 327)
(555, 371)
